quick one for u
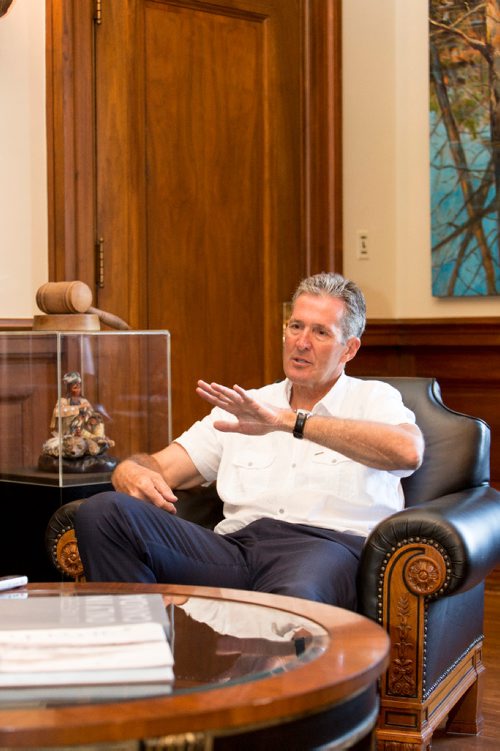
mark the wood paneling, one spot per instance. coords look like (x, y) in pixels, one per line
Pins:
(26, 404)
(463, 354)
(323, 135)
(70, 139)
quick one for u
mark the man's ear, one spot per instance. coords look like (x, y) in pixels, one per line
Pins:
(352, 346)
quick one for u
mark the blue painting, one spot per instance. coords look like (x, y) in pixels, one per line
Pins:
(465, 146)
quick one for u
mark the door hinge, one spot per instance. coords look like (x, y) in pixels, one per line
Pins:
(99, 262)
(98, 12)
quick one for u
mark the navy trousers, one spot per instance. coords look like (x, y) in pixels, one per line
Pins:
(123, 539)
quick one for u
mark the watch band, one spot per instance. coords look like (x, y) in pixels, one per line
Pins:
(298, 430)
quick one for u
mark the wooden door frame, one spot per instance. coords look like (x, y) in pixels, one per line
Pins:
(70, 29)
(70, 139)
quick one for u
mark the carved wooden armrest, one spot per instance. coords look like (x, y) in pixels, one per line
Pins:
(459, 533)
(412, 572)
(419, 555)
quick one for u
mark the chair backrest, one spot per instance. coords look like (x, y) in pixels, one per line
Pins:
(457, 446)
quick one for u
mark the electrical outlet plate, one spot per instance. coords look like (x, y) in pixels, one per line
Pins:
(362, 250)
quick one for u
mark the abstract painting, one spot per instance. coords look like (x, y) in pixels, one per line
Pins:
(465, 146)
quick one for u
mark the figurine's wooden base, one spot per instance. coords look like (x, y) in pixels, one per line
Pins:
(101, 463)
(67, 322)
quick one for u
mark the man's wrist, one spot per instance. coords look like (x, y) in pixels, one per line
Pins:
(288, 420)
(141, 460)
(145, 460)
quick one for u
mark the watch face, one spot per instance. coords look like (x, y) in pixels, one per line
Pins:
(302, 415)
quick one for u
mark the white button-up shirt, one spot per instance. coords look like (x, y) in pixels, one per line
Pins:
(298, 481)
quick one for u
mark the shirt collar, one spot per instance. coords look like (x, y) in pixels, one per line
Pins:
(329, 404)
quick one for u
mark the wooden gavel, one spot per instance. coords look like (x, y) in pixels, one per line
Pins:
(59, 298)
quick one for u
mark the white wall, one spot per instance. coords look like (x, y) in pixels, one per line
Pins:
(23, 171)
(386, 160)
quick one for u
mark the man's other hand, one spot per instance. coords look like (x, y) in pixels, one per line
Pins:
(144, 483)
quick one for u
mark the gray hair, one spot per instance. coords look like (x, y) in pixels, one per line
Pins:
(335, 285)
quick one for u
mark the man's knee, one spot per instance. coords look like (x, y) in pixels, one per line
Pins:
(330, 591)
(102, 504)
(101, 512)
(109, 547)
(119, 516)
(296, 590)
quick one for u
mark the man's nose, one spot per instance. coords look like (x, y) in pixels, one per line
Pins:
(304, 339)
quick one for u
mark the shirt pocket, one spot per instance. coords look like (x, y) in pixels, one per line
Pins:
(334, 474)
(252, 473)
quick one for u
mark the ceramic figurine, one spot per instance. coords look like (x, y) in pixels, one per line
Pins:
(81, 440)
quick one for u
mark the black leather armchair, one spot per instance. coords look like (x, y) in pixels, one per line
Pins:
(421, 573)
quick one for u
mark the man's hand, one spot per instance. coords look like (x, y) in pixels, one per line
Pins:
(140, 476)
(252, 417)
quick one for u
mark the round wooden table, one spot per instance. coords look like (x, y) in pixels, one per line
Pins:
(241, 679)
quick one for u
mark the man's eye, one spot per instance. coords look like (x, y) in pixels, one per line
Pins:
(322, 333)
(293, 326)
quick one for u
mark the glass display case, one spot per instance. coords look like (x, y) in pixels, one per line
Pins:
(73, 404)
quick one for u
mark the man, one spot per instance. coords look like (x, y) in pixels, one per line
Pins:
(305, 468)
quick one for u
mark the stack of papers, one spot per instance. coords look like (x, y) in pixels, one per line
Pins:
(84, 648)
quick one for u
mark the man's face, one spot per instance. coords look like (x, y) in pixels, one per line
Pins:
(314, 353)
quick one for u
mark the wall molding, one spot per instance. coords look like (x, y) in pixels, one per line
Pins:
(448, 332)
(16, 324)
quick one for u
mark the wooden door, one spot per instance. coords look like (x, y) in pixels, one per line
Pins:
(216, 174)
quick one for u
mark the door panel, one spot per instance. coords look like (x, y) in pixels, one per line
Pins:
(216, 156)
(214, 226)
